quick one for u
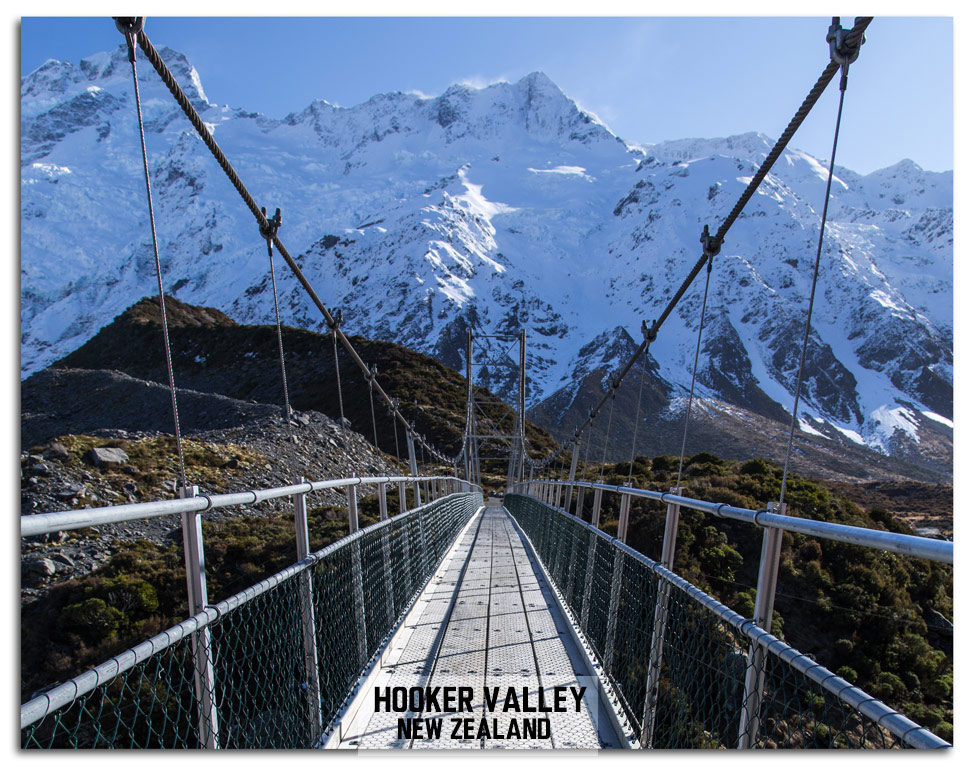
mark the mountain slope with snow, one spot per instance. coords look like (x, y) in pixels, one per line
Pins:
(499, 208)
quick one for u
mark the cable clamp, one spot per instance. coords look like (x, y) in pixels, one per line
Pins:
(269, 226)
(711, 245)
(841, 49)
(130, 26)
(649, 333)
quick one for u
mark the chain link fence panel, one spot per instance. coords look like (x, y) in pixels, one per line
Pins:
(677, 658)
(263, 695)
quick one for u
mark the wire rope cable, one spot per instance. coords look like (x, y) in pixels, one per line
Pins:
(693, 377)
(811, 296)
(130, 28)
(635, 428)
(154, 58)
(273, 223)
(608, 429)
(341, 404)
(375, 430)
(712, 244)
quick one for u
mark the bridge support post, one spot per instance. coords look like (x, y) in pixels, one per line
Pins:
(312, 683)
(614, 592)
(580, 502)
(386, 556)
(625, 502)
(383, 502)
(351, 496)
(204, 681)
(657, 642)
(571, 477)
(616, 589)
(402, 497)
(413, 470)
(589, 572)
(357, 583)
(763, 614)
(590, 563)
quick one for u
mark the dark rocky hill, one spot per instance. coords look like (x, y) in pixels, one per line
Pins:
(212, 354)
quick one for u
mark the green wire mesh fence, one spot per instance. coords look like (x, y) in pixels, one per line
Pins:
(677, 659)
(240, 674)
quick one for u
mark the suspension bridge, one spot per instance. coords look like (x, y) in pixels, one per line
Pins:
(461, 622)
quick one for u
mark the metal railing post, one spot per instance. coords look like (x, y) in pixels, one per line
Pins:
(204, 680)
(386, 552)
(413, 470)
(571, 477)
(351, 496)
(614, 592)
(763, 615)
(402, 497)
(616, 589)
(383, 502)
(590, 563)
(357, 583)
(580, 502)
(308, 629)
(625, 501)
(658, 640)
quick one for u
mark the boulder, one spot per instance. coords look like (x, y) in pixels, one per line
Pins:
(69, 491)
(57, 451)
(41, 568)
(104, 455)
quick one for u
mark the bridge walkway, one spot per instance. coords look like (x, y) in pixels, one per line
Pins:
(488, 621)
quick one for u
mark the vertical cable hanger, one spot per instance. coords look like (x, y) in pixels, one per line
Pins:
(375, 430)
(635, 427)
(844, 49)
(269, 230)
(338, 378)
(395, 427)
(608, 429)
(130, 27)
(710, 247)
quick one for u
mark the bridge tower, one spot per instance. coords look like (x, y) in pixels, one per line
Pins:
(488, 357)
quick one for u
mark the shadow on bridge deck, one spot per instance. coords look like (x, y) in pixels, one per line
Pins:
(487, 621)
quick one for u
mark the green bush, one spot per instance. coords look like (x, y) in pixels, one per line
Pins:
(93, 619)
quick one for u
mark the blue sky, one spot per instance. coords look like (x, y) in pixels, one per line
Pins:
(649, 79)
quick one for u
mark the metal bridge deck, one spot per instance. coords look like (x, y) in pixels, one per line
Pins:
(487, 620)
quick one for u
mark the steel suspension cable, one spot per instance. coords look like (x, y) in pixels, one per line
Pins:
(277, 319)
(693, 377)
(395, 433)
(608, 430)
(129, 30)
(635, 427)
(375, 430)
(712, 244)
(341, 405)
(189, 110)
(811, 296)
(588, 447)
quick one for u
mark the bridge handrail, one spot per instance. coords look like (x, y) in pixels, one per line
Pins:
(65, 520)
(918, 547)
(895, 722)
(60, 696)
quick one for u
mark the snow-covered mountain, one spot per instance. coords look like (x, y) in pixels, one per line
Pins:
(498, 208)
